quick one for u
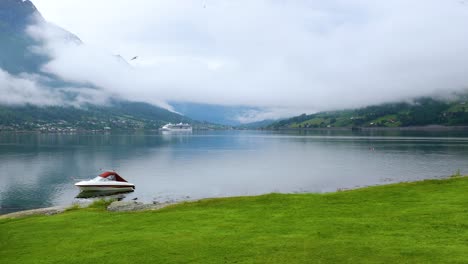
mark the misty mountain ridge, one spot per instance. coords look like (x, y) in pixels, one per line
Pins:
(18, 55)
(219, 114)
(18, 58)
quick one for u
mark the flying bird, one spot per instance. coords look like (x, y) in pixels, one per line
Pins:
(134, 58)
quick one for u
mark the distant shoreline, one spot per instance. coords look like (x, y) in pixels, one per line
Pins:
(410, 128)
(94, 131)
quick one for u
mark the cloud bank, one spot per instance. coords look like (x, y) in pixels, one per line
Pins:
(30, 89)
(284, 57)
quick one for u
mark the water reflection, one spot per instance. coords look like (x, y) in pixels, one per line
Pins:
(115, 194)
(37, 170)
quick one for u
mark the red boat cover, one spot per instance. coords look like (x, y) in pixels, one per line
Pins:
(112, 173)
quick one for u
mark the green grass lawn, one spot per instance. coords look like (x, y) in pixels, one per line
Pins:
(421, 222)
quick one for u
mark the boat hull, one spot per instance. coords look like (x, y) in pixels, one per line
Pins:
(107, 181)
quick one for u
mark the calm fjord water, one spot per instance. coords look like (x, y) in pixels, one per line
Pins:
(38, 170)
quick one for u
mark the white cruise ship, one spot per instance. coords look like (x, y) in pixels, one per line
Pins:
(177, 127)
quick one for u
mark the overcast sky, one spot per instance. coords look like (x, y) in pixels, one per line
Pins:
(285, 56)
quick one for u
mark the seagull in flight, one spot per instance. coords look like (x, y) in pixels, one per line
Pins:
(134, 58)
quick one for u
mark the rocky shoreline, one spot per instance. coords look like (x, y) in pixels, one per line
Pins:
(40, 211)
(116, 206)
(134, 206)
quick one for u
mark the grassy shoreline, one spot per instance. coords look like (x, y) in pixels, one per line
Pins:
(425, 221)
(52, 210)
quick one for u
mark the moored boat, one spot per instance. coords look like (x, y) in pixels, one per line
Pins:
(106, 181)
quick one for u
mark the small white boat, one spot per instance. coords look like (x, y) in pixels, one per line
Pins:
(107, 181)
(177, 127)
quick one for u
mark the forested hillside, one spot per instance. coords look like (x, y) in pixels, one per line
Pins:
(420, 112)
(118, 115)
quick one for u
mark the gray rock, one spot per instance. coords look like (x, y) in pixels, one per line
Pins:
(117, 206)
(123, 206)
(126, 206)
(40, 211)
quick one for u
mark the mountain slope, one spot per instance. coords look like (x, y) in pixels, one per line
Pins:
(257, 125)
(15, 53)
(121, 115)
(421, 112)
